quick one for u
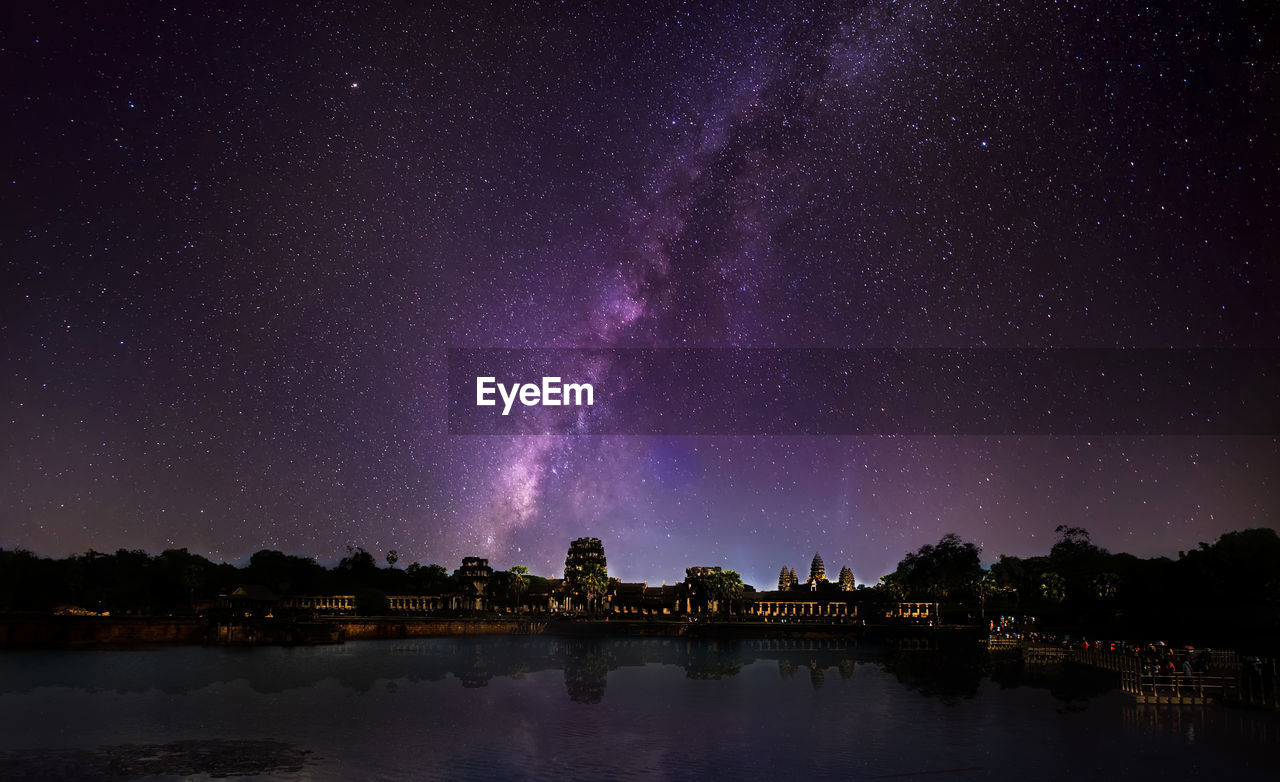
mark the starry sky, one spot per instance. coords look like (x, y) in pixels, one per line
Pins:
(239, 240)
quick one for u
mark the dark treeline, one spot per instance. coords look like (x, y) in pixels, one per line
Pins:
(177, 580)
(1229, 587)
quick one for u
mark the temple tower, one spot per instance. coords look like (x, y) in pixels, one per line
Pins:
(583, 552)
(817, 571)
(846, 579)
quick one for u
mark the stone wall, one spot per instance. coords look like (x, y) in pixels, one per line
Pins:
(94, 632)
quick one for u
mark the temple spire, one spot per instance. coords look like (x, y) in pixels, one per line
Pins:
(817, 571)
(846, 579)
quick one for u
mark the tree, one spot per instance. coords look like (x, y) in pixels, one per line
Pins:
(193, 578)
(393, 557)
(1105, 586)
(1010, 573)
(987, 586)
(719, 587)
(1053, 587)
(519, 580)
(1239, 565)
(359, 565)
(426, 578)
(510, 584)
(1073, 542)
(591, 581)
(949, 569)
(892, 585)
(285, 573)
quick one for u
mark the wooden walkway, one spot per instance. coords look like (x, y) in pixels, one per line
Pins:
(1000, 644)
(1194, 689)
(1260, 683)
(1227, 678)
(1043, 654)
(1108, 661)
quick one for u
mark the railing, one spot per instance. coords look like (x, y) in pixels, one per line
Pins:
(1260, 683)
(1226, 676)
(1217, 658)
(1179, 687)
(1222, 662)
(1040, 653)
(997, 644)
(1106, 660)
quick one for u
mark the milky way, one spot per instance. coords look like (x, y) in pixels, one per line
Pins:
(239, 242)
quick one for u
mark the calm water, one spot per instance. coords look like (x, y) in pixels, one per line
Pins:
(545, 708)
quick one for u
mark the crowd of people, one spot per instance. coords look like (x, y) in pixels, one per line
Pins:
(1154, 658)
(1159, 659)
(1151, 658)
(1016, 627)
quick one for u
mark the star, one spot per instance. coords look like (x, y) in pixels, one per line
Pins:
(813, 184)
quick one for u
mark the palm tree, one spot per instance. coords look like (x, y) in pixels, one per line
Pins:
(986, 587)
(518, 582)
(731, 586)
(719, 587)
(592, 581)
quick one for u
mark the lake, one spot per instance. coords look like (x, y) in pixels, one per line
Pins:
(536, 707)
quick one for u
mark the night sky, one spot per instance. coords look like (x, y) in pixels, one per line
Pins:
(238, 242)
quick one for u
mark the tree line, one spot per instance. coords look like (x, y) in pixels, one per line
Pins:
(1231, 583)
(133, 581)
(1235, 580)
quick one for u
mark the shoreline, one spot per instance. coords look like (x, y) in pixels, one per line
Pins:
(35, 632)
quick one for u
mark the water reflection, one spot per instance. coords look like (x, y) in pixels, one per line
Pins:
(1246, 726)
(948, 675)
(586, 670)
(1073, 686)
(215, 758)
(559, 708)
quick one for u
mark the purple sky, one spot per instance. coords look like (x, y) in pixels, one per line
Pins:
(239, 241)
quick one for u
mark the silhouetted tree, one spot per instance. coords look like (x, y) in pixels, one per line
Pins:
(721, 587)
(1012, 573)
(1073, 542)
(519, 580)
(949, 569)
(591, 582)
(358, 567)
